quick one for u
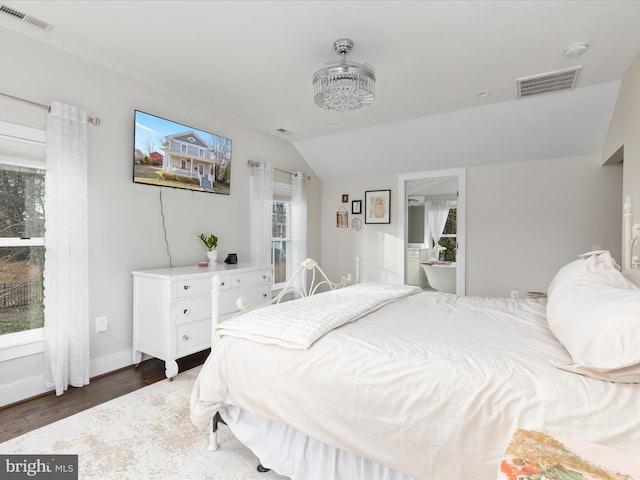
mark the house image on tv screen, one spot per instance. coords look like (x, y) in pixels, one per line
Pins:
(167, 154)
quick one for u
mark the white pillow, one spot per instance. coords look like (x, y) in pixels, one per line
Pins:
(595, 313)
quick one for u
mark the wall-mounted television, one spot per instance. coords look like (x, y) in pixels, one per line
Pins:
(169, 154)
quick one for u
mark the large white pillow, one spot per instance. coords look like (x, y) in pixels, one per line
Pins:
(594, 311)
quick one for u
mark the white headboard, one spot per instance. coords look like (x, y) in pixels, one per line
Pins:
(631, 236)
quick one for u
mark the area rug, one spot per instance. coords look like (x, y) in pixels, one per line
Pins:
(146, 434)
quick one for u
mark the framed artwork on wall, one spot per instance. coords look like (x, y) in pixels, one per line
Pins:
(377, 206)
(342, 218)
(356, 207)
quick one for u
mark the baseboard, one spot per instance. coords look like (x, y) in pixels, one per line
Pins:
(110, 363)
(34, 386)
(18, 391)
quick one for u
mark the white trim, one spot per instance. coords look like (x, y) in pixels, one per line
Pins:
(22, 133)
(22, 390)
(21, 242)
(21, 344)
(32, 386)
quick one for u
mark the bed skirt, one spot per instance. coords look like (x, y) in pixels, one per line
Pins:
(291, 453)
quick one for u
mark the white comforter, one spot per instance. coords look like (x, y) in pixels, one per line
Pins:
(432, 385)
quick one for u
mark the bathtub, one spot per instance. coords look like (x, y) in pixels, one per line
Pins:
(441, 276)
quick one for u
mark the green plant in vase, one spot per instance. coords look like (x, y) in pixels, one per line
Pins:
(211, 242)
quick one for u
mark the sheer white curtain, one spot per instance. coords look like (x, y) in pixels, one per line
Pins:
(436, 213)
(299, 219)
(261, 187)
(66, 277)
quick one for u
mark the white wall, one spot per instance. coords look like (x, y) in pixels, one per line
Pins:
(125, 224)
(524, 220)
(377, 245)
(527, 219)
(623, 131)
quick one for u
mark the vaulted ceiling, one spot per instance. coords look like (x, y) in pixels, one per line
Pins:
(253, 61)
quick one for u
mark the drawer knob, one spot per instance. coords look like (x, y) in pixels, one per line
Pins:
(222, 284)
(187, 287)
(264, 295)
(185, 311)
(185, 338)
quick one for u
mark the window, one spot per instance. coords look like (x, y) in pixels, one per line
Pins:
(281, 233)
(22, 210)
(448, 238)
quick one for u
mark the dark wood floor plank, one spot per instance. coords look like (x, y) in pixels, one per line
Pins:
(37, 412)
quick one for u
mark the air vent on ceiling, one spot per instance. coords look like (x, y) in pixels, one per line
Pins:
(284, 131)
(548, 82)
(23, 17)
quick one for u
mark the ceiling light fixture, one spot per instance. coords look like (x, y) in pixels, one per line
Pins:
(576, 49)
(344, 86)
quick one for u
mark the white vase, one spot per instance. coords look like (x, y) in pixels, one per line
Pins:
(213, 256)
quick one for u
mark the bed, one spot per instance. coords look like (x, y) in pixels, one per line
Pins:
(411, 384)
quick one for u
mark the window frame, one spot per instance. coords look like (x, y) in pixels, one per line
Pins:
(28, 342)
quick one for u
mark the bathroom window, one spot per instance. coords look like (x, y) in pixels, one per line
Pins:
(448, 238)
(281, 233)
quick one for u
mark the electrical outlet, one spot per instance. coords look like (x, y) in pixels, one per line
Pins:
(102, 324)
(515, 294)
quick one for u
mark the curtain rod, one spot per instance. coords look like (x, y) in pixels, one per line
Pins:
(251, 163)
(92, 120)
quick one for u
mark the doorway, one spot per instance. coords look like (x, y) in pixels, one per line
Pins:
(417, 192)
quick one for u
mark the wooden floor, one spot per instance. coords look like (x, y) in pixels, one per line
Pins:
(30, 414)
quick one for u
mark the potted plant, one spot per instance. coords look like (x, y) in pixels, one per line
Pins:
(211, 242)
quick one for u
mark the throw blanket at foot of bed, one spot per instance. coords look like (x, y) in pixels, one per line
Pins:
(299, 323)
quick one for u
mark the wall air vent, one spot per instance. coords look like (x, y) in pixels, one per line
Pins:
(23, 17)
(548, 82)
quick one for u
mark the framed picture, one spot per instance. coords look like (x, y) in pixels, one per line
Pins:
(345, 198)
(341, 219)
(377, 206)
(356, 207)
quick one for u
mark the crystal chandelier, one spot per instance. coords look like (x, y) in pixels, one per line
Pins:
(344, 86)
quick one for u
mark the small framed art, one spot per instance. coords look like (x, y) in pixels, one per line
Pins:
(342, 218)
(356, 207)
(377, 206)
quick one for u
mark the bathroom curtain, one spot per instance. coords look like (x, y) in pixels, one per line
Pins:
(299, 220)
(261, 187)
(436, 213)
(66, 276)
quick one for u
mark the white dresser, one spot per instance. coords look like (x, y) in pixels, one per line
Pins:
(172, 307)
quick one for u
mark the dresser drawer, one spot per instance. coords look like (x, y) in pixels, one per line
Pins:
(192, 309)
(247, 279)
(192, 287)
(253, 297)
(194, 336)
